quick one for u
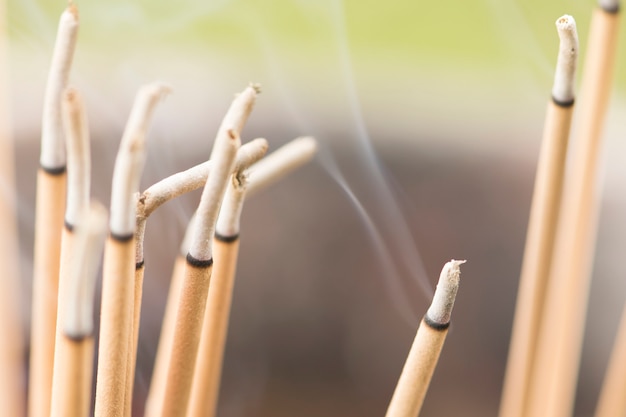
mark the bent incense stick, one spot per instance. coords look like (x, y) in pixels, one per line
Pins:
(50, 206)
(560, 339)
(156, 195)
(420, 365)
(117, 282)
(541, 225)
(71, 392)
(12, 346)
(199, 263)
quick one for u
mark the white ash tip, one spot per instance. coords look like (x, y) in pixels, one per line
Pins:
(256, 87)
(565, 73)
(610, 6)
(441, 308)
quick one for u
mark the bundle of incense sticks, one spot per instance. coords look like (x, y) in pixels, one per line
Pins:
(72, 234)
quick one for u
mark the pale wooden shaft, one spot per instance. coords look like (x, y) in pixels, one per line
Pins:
(612, 400)
(115, 326)
(418, 370)
(72, 394)
(134, 341)
(537, 259)
(206, 381)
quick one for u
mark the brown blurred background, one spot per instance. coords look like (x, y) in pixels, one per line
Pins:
(430, 114)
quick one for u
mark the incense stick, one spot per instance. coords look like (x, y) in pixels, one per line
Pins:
(612, 401)
(206, 380)
(154, 402)
(71, 392)
(560, 338)
(12, 347)
(161, 192)
(200, 260)
(420, 364)
(49, 213)
(117, 282)
(541, 225)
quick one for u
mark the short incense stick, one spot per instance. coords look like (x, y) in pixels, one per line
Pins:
(78, 188)
(119, 266)
(161, 192)
(50, 207)
(560, 338)
(612, 400)
(12, 346)
(542, 225)
(265, 172)
(71, 392)
(206, 380)
(420, 365)
(199, 263)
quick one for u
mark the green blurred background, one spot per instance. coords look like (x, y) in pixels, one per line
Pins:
(429, 113)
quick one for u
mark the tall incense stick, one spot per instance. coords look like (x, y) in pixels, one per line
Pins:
(71, 392)
(612, 400)
(119, 265)
(50, 208)
(560, 338)
(542, 225)
(200, 260)
(12, 346)
(420, 365)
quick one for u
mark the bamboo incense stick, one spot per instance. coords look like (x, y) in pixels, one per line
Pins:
(560, 338)
(50, 207)
(612, 400)
(78, 189)
(206, 380)
(71, 392)
(542, 225)
(117, 283)
(12, 347)
(420, 365)
(154, 401)
(199, 263)
(161, 192)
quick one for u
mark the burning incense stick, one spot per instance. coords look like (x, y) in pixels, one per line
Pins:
(206, 380)
(265, 173)
(71, 392)
(117, 283)
(12, 346)
(420, 365)
(560, 338)
(161, 192)
(49, 218)
(200, 260)
(612, 400)
(542, 225)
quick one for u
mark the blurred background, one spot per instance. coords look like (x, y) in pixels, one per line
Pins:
(429, 118)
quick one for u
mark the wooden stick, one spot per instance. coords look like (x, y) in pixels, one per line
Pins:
(50, 207)
(200, 260)
(206, 380)
(79, 177)
(420, 365)
(12, 381)
(71, 389)
(541, 225)
(154, 403)
(560, 338)
(119, 265)
(612, 400)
